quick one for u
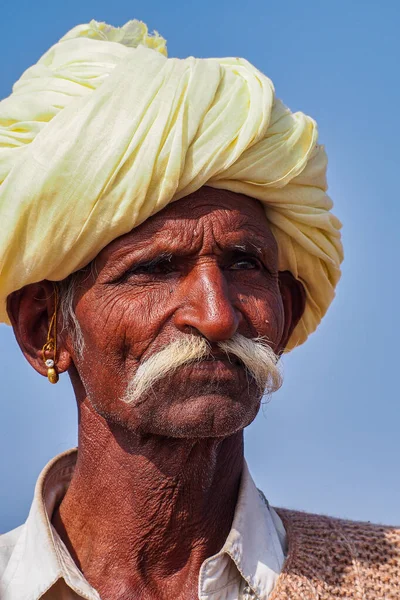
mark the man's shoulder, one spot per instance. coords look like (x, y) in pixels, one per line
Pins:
(303, 521)
(360, 536)
(328, 554)
(8, 542)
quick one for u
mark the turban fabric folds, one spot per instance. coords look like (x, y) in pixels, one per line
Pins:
(105, 130)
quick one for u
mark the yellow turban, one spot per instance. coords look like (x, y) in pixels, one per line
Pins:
(105, 130)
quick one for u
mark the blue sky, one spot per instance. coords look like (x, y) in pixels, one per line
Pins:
(329, 441)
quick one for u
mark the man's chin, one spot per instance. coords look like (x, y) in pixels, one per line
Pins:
(204, 416)
(184, 409)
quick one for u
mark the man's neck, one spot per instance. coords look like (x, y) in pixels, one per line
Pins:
(142, 513)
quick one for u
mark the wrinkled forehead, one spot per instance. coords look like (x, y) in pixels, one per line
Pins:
(207, 219)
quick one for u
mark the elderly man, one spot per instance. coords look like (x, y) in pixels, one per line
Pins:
(166, 236)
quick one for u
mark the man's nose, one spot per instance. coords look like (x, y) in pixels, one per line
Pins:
(206, 305)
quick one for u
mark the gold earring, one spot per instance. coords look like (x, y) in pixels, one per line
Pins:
(51, 344)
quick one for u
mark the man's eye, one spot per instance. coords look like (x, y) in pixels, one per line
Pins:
(245, 264)
(154, 269)
(161, 267)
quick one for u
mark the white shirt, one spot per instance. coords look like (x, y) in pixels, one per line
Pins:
(35, 563)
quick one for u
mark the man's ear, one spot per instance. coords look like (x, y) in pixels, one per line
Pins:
(294, 300)
(30, 310)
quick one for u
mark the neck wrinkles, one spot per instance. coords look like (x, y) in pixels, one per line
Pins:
(156, 507)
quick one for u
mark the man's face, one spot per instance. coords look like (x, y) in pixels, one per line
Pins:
(207, 265)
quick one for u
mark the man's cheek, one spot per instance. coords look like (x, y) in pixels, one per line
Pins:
(266, 322)
(140, 326)
(105, 324)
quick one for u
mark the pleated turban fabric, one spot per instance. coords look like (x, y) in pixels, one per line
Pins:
(105, 130)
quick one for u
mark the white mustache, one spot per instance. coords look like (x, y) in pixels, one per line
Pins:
(256, 355)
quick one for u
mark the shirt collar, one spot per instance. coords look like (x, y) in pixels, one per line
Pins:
(40, 557)
(255, 544)
(254, 549)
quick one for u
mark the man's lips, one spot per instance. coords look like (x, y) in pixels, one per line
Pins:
(215, 366)
(228, 358)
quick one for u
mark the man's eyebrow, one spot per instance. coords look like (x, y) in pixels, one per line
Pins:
(154, 259)
(246, 247)
(160, 242)
(175, 245)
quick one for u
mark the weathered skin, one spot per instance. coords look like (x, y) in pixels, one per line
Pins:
(155, 487)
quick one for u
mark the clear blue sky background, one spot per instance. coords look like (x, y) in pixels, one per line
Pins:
(329, 440)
